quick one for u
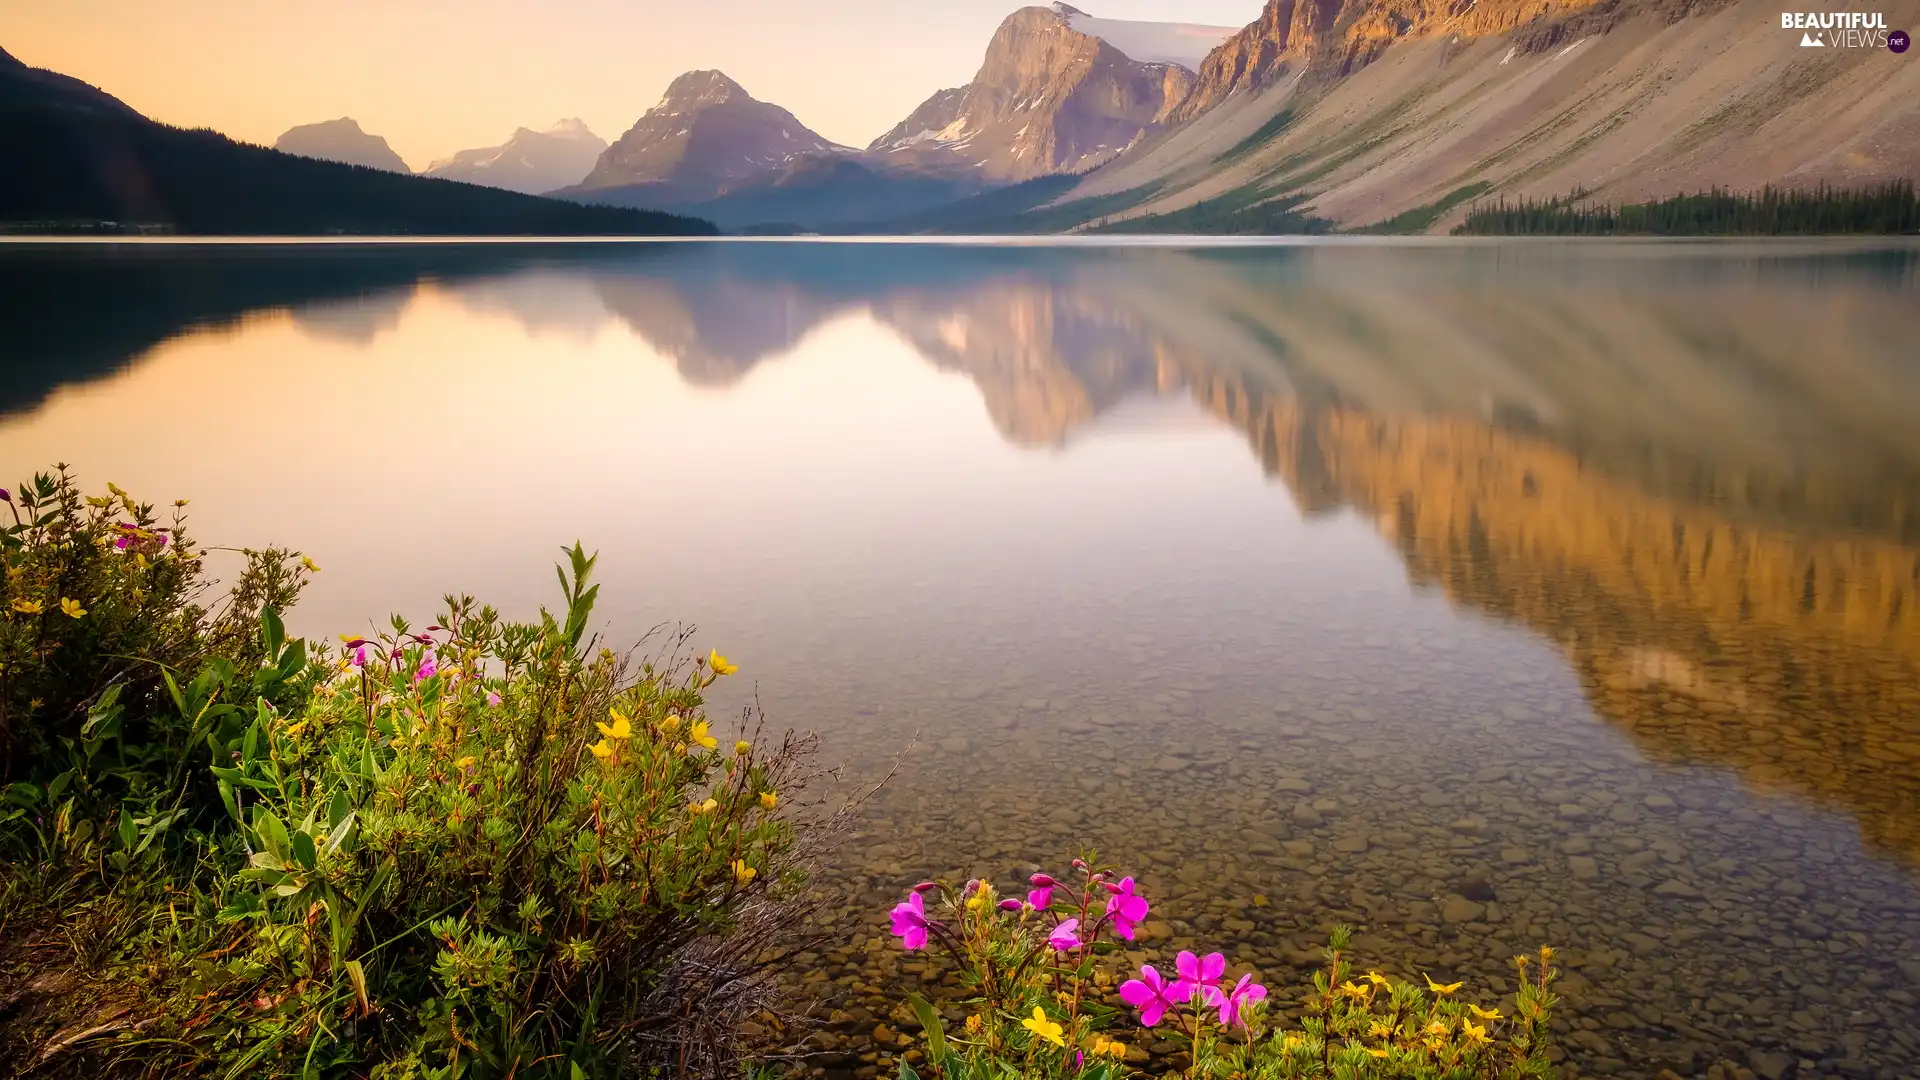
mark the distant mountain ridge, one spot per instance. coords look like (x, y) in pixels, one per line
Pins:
(533, 162)
(341, 140)
(1048, 98)
(706, 136)
(79, 158)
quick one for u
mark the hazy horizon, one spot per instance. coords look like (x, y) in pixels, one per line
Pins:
(435, 77)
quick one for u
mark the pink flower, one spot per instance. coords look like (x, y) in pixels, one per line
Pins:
(1153, 995)
(428, 669)
(910, 923)
(1009, 904)
(493, 699)
(1064, 938)
(1126, 906)
(360, 655)
(1202, 974)
(1041, 897)
(1244, 993)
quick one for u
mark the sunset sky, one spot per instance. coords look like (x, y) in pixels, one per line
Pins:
(436, 76)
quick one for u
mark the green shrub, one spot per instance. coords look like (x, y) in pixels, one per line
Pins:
(482, 849)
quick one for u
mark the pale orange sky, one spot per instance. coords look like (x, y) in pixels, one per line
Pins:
(436, 76)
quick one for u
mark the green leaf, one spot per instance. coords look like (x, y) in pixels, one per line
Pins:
(581, 1074)
(173, 690)
(303, 851)
(338, 809)
(342, 833)
(273, 834)
(129, 833)
(936, 1032)
(906, 1071)
(293, 659)
(232, 804)
(273, 633)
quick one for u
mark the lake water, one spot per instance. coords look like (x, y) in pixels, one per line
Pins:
(1479, 595)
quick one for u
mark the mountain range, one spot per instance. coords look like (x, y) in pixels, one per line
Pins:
(1376, 115)
(78, 158)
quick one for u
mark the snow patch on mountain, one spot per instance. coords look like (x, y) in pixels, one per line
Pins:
(1185, 44)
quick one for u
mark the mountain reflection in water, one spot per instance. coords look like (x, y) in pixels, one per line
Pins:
(1691, 470)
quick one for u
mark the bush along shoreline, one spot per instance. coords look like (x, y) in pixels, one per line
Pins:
(1047, 999)
(475, 849)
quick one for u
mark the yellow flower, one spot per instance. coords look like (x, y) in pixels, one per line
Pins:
(1105, 1047)
(1378, 979)
(28, 607)
(1376, 1053)
(702, 807)
(719, 664)
(769, 800)
(1484, 1014)
(742, 873)
(697, 734)
(1379, 1030)
(1546, 953)
(671, 724)
(679, 748)
(71, 608)
(465, 761)
(1043, 1027)
(1355, 991)
(974, 1024)
(1438, 1027)
(1476, 1033)
(311, 566)
(1443, 989)
(601, 750)
(621, 729)
(743, 748)
(294, 730)
(1293, 1041)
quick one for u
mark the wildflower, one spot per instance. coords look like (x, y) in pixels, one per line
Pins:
(974, 1024)
(1379, 1030)
(1153, 995)
(720, 665)
(312, 567)
(493, 699)
(27, 607)
(71, 608)
(742, 873)
(1009, 904)
(1105, 1047)
(926, 886)
(1476, 1034)
(360, 656)
(1438, 1027)
(1042, 897)
(697, 735)
(465, 761)
(1126, 906)
(1043, 1027)
(1293, 1040)
(1356, 991)
(703, 807)
(601, 750)
(352, 642)
(1202, 974)
(671, 724)
(621, 728)
(429, 667)
(1375, 1052)
(1484, 1014)
(910, 922)
(5, 495)
(1379, 980)
(769, 800)
(1244, 993)
(1443, 989)
(1064, 938)
(742, 748)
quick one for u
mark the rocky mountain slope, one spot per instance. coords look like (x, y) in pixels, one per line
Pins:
(1401, 114)
(340, 140)
(1048, 98)
(705, 137)
(533, 162)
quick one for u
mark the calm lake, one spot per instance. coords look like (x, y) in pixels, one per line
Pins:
(1478, 595)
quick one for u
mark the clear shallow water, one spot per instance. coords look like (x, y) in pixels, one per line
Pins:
(1477, 595)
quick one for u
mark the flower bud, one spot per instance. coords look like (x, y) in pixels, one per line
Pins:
(1009, 905)
(1079, 864)
(926, 886)
(1110, 887)
(973, 886)
(743, 748)
(1040, 881)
